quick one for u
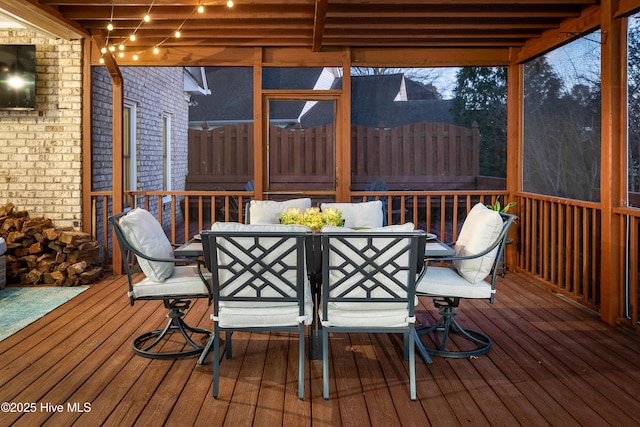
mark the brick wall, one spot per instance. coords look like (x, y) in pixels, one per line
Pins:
(155, 91)
(40, 151)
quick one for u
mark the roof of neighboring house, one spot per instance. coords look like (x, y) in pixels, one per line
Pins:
(231, 96)
(389, 100)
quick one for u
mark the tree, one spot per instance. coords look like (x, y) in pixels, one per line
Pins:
(481, 97)
(561, 141)
(633, 103)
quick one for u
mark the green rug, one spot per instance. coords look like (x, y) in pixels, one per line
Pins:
(20, 307)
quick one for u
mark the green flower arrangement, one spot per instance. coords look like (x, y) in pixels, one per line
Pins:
(312, 217)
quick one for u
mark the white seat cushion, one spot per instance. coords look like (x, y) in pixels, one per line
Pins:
(268, 211)
(361, 215)
(480, 229)
(397, 228)
(146, 235)
(184, 281)
(264, 314)
(380, 317)
(246, 313)
(446, 282)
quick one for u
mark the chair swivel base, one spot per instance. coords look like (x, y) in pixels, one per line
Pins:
(174, 325)
(447, 325)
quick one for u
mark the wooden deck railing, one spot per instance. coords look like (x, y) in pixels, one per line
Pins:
(559, 245)
(555, 241)
(184, 213)
(629, 225)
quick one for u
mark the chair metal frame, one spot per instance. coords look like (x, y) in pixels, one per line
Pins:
(176, 304)
(446, 305)
(372, 269)
(248, 266)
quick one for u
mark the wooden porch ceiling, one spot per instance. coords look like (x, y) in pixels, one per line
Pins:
(317, 24)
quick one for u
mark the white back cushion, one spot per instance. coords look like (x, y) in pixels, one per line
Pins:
(268, 211)
(481, 228)
(361, 215)
(145, 234)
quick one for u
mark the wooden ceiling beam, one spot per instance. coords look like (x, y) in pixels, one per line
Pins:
(181, 12)
(230, 24)
(43, 18)
(319, 19)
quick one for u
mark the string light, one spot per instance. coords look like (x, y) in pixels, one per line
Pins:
(200, 8)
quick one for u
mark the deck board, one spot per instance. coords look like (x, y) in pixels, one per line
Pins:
(552, 363)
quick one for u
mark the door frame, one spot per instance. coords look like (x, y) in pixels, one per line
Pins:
(342, 146)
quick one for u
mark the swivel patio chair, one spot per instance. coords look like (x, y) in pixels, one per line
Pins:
(170, 280)
(478, 249)
(260, 284)
(368, 285)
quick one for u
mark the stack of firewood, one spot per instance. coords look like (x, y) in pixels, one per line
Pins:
(40, 254)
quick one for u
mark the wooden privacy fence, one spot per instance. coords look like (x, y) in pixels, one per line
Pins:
(420, 156)
(221, 158)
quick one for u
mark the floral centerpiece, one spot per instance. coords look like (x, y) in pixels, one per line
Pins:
(312, 217)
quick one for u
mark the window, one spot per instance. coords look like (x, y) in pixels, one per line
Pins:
(633, 102)
(428, 128)
(129, 140)
(167, 145)
(561, 116)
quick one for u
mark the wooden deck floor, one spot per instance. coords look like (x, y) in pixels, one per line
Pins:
(552, 364)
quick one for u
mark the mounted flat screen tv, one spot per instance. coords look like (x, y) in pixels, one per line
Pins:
(17, 77)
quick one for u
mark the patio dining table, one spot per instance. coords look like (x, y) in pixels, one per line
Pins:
(434, 248)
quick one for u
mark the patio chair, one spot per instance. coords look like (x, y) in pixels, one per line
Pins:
(368, 285)
(478, 249)
(268, 211)
(172, 281)
(359, 215)
(259, 284)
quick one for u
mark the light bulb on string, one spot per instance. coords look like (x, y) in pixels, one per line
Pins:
(121, 47)
(101, 60)
(112, 48)
(121, 54)
(103, 50)
(200, 9)
(147, 18)
(132, 37)
(156, 50)
(178, 34)
(230, 3)
(135, 57)
(110, 26)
